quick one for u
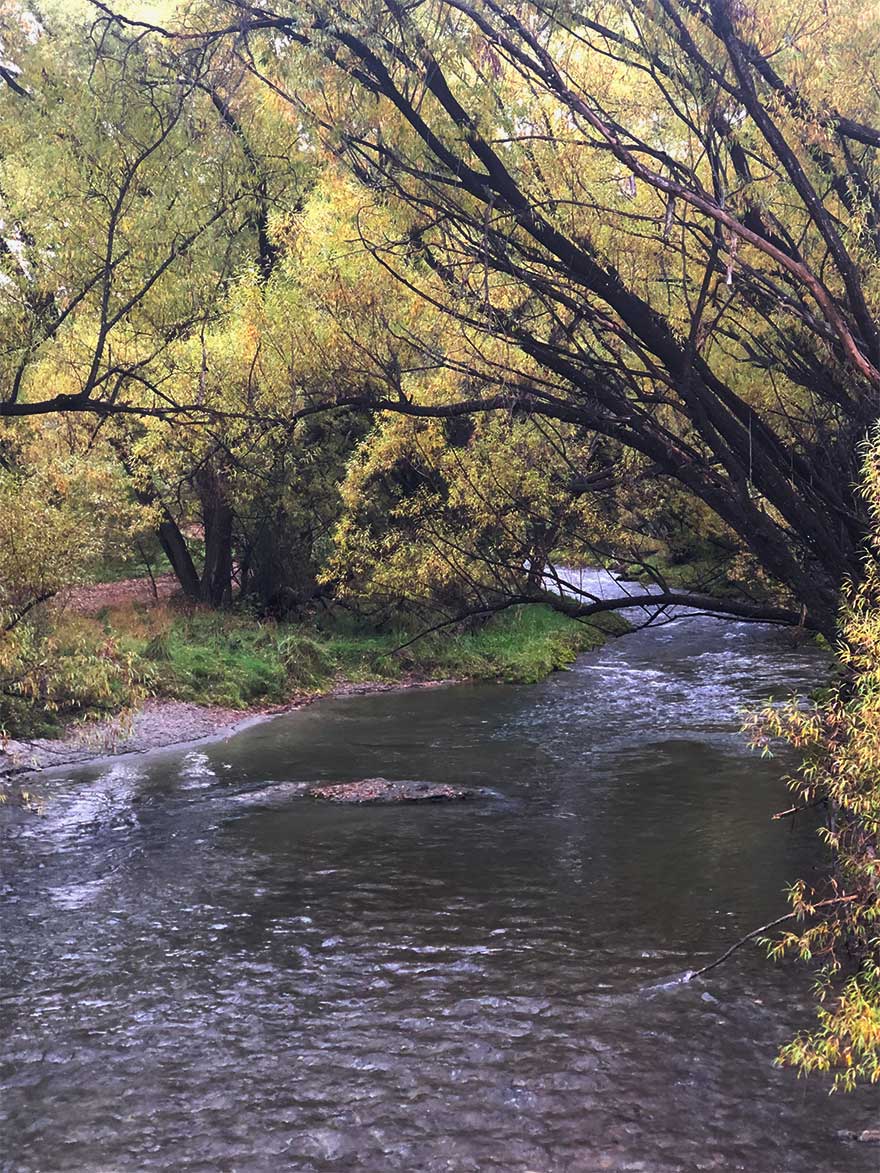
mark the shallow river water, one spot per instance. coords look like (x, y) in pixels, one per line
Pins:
(201, 970)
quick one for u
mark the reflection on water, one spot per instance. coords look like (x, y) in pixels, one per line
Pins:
(204, 971)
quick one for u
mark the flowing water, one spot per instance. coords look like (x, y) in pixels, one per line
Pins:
(202, 970)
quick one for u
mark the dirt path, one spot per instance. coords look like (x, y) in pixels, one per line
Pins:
(87, 600)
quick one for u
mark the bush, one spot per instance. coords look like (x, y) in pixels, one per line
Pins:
(838, 735)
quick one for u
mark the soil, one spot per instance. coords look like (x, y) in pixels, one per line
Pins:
(87, 600)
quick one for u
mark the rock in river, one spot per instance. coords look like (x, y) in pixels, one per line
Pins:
(381, 790)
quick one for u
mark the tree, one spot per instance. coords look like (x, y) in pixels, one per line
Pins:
(125, 227)
(125, 211)
(259, 497)
(460, 517)
(667, 218)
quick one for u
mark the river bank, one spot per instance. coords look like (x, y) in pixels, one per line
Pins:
(165, 724)
(169, 677)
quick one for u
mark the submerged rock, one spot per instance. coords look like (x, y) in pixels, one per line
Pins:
(382, 790)
(866, 1136)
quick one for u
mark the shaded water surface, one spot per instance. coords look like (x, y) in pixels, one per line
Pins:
(204, 971)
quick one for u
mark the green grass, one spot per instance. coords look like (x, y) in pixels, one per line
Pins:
(232, 660)
(216, 659)
(521, 645)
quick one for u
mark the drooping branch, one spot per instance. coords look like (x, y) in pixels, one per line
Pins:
(758, 932)
(777, 289)
(654, 604)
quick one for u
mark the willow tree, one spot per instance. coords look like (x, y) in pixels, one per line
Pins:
(668, 212)
(120, 203)
(136, 192)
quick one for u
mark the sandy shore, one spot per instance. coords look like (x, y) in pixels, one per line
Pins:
(164, 724)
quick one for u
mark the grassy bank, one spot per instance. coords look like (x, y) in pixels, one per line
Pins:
(230, 659)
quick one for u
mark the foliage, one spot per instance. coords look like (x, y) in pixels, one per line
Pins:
(50, 540)
(656, 223)
(56, 671)
(186, 254)
(126, 209)
(276, 485)
(839, 926)
(458, 514)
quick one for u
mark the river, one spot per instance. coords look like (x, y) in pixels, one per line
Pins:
(203, 970)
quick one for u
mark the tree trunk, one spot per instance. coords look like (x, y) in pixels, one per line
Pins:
(168, 531)
(216, 586)
(177, 552)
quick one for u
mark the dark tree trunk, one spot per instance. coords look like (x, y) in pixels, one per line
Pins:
(177, 552)
(216, 586)
(281, 578)
(168, 531)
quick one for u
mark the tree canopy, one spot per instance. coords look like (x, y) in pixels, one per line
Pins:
(657, 223)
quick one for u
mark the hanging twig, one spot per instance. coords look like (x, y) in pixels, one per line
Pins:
(742, 941)
(762, 929)
(796, 810)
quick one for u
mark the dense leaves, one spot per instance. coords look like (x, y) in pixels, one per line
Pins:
(838, 737)
(657, 223)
